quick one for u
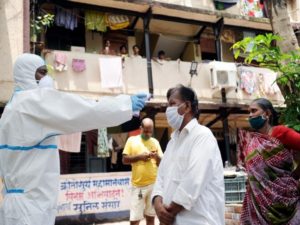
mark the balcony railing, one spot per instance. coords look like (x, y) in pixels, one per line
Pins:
(165, 74)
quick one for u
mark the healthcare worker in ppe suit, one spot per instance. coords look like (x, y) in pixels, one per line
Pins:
(29, 159)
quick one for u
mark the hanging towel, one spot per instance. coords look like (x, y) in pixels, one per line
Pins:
(111, 72)
(60, 61)
(95, 21)
(271, 87)
(120, 139)
(247, 80)
(70, 142)
(102, 148)
(116, 22)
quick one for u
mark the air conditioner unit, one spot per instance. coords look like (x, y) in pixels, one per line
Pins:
(223, 75)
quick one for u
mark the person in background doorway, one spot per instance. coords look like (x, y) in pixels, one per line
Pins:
(107, 49)
(123, 53)
(136, 51)
(189, 188)
(161, 57)
(144, 153)
(34, 116)
(272, 195)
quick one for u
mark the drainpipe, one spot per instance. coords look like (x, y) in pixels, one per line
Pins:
(217, 31)
(224, 115)
(146, 23)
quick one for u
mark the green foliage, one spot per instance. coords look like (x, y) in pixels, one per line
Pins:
(263, 50)
(38, 24)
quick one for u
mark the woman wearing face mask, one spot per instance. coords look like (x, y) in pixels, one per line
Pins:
(272, 195)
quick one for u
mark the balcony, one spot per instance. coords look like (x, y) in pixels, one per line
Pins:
(135, 79)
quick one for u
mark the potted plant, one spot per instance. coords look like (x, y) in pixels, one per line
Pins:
(39, 25)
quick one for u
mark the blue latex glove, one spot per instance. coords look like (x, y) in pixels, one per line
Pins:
(138, 101)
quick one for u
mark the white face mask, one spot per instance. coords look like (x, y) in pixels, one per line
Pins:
(173, 117)
(46, 82)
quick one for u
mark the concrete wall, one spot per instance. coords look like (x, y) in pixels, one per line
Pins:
(11, 43)
(205, 5)
(191, 53)
(294, 11)
(94, 42)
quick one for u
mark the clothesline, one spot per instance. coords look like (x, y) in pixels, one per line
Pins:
(84, 19)
(67, 10)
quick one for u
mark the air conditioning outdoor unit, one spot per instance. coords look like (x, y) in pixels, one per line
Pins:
(223, 75)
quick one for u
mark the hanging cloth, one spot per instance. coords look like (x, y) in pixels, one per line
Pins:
(117, 22)
(95, 21)
(69, 142)
(102, 148)
(224, 4)
(66, 18)
(252, 8)
(111, 73)
(271, 87)
(248, 80)
(60, 61)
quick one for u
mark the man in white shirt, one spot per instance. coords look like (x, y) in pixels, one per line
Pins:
(189, 188)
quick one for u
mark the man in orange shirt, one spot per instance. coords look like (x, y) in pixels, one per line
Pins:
(144, 153)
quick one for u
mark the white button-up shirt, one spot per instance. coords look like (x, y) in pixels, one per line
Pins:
(191, 175)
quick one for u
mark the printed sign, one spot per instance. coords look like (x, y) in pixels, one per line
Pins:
(94, 193)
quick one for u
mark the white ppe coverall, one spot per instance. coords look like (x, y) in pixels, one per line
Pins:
(29, 159)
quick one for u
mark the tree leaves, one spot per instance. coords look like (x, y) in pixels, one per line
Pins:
(37, 24)
(263, 50)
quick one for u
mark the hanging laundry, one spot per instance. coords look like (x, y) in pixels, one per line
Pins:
(116, 22)
(261, 84)
(66, 18)
(247, 80)
(69, 142)
(102, 148)
(78, 65)
(252, 8)
(224, 4)
(60, 61)
(259, 81)
(95, 21)
(271, 87)
(111, 72)
(114, 154)
(120, 139)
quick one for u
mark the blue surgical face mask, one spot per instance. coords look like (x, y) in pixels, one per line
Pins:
(257, 122)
